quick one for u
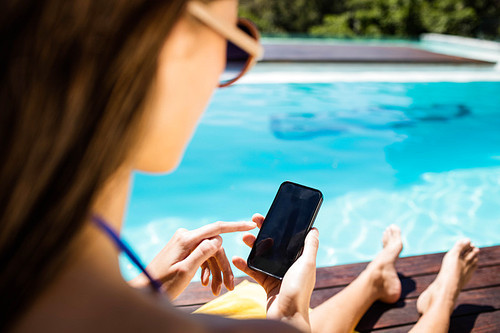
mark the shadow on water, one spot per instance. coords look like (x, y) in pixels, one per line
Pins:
(303, 126)
(444, 141)
(430, 113)
(308, 125)
(437, 137)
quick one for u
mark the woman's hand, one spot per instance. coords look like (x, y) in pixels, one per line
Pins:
(287, 300)
(178, 261)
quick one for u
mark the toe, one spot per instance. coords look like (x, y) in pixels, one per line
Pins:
(396, 232)
(385, 236)
(474, 262)
(472, 255)
(461, 246)
(390, 233)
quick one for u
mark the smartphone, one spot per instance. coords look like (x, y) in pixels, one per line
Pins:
(281, 238)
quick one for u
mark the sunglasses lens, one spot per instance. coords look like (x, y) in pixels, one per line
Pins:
(236, 59)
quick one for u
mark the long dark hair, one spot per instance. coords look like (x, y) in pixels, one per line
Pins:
(74, 79)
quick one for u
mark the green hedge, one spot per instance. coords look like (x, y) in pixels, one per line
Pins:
(375, 18)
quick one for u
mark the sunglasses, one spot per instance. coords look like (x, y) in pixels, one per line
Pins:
(243, 48)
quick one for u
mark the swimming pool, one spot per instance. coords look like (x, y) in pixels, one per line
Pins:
(422, 155)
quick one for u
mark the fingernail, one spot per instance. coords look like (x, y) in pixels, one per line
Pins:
(252, 224)
(217, 240)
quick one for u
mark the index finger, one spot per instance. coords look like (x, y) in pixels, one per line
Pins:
(217, 228)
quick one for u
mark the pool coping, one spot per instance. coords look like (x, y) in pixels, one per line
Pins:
(283, 73)
(347, 53)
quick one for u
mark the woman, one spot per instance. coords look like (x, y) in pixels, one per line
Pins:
(94, 89)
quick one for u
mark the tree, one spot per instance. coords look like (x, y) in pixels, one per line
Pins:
(375, 18)
(282, 16)
(449, 17)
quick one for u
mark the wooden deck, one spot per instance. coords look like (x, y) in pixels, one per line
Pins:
(478, 306)
(342, 53)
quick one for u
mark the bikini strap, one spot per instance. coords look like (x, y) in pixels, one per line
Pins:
(122, 246)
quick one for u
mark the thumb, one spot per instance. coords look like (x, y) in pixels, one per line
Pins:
(206, 249)
(311, 245)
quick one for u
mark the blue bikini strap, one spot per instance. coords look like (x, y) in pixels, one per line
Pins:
(126, 249)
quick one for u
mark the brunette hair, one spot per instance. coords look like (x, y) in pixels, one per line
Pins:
(74, 79)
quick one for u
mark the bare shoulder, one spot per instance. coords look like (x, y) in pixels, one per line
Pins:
(130, 311)
(111, 310)
(158, 314)
(171, 318)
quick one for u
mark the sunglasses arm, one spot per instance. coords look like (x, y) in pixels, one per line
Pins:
(236, 36)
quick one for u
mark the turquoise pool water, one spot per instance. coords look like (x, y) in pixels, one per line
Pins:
(425, 156)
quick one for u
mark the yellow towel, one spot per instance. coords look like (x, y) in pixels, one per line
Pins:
(246, 301)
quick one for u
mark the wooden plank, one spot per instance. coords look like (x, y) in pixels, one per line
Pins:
(359, 53)
(472, 303)
(409, 266)
(414, 286)
(340, 276)
(485, 322)
(401, 317)
(480, 317)
(404, 312)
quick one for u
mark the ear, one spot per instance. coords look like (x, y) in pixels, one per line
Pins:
(181, 43)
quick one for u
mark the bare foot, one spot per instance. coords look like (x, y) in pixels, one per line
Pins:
(456, 270)
(382, 269)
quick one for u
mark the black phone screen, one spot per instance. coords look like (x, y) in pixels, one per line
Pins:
(281, 238)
